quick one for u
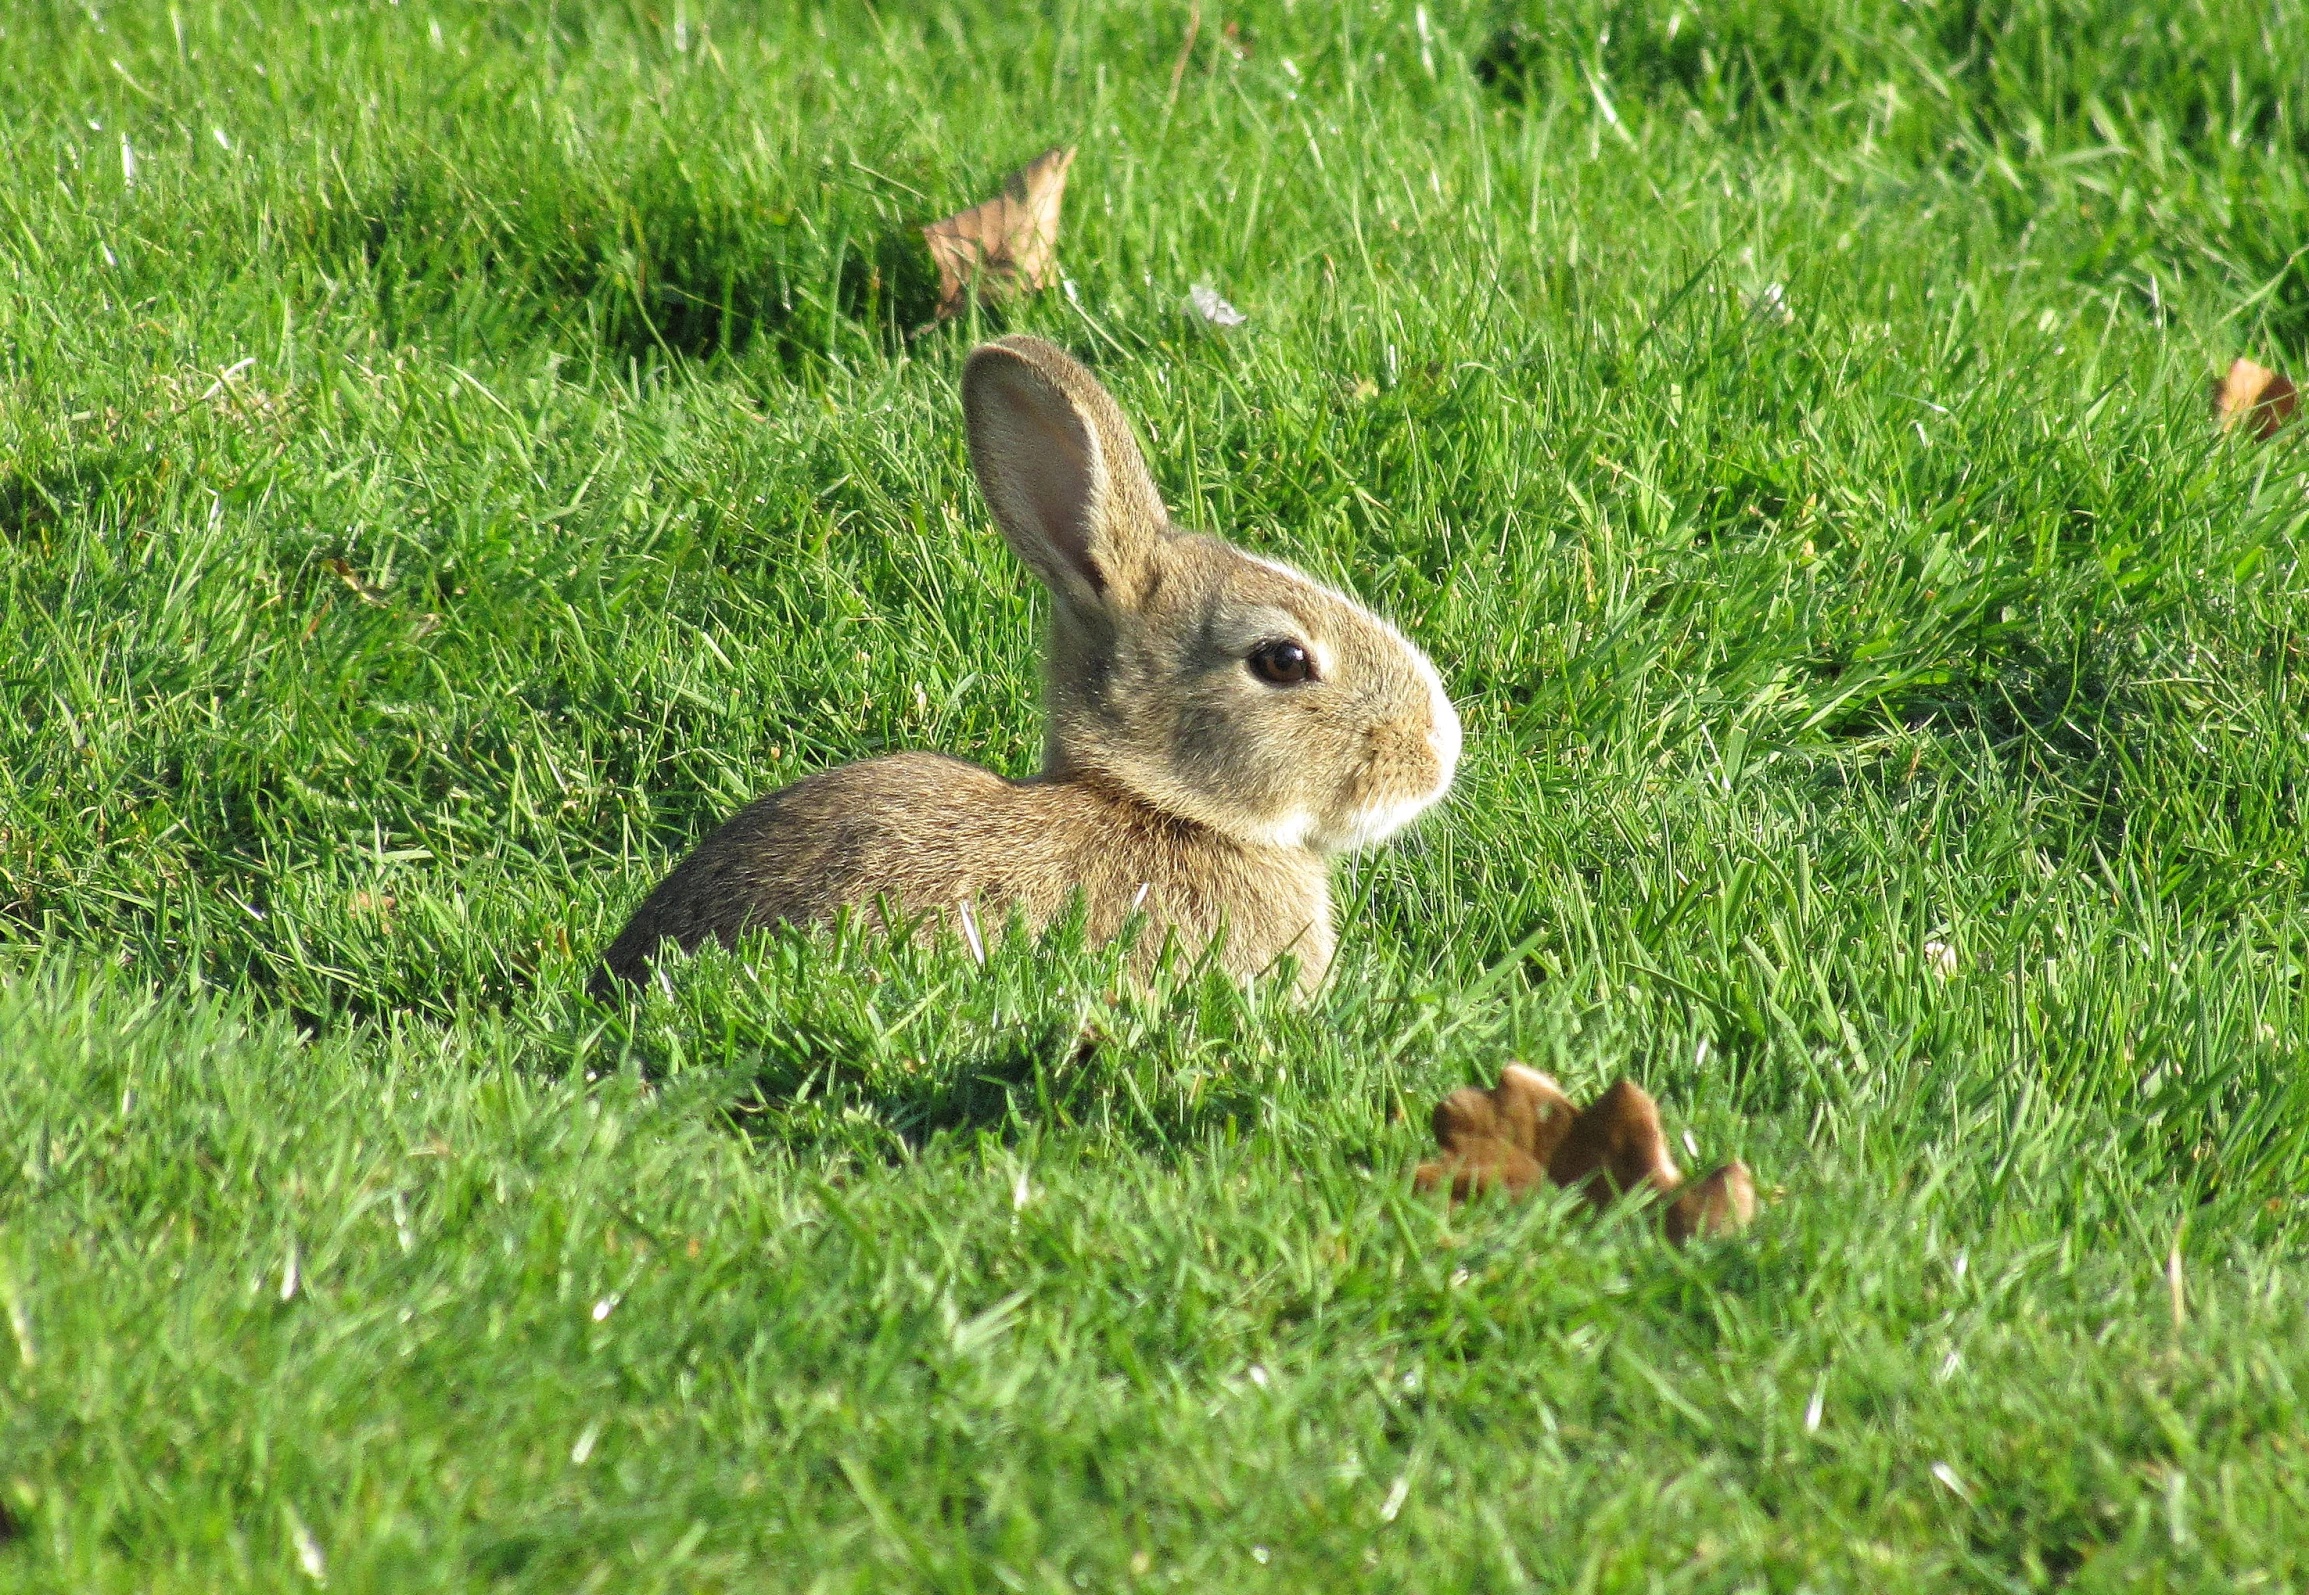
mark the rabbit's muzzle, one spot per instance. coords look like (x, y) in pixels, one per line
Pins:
(1405, 769)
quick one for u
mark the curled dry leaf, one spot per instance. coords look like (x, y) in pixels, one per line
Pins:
(1721, 1204)
(1009, 244)
(1615, 1146)
(2256, 397)
(1524, 1131)
(1498, 1139)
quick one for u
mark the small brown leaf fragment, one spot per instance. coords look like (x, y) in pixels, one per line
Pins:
(1614, 1146)
(379, 904)
(1524, 1133)
(1498, 1139)
(2254, 396)
(1526, 1110)
(1479, 1166)
(1721, 1204)
(1186, 50)
(1009, 245)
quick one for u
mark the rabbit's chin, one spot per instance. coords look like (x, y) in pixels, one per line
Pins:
(1368, 827)
(1367, 824)
(1349, 833)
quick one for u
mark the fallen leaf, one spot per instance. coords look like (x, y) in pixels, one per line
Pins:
(1524, 1132)
(1007, 245)
(1499, 1139)
(1615, 1145)
(2254, 396)
(1723, 1203)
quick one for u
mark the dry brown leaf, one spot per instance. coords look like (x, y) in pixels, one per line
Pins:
(1724, 1203)
(2254, 396)
(1615, 1146)
(1007, 245)
(1498, 1139)
(1524, 1132)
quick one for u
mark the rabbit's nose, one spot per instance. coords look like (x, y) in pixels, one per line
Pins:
(1404, 765)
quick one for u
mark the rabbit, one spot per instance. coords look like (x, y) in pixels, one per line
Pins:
(1219, 726)
(1524, 1131)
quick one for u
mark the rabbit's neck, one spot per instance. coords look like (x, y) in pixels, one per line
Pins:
(1136, 856)
(1175, 816)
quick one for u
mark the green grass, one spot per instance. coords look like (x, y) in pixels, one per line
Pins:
(483, 445)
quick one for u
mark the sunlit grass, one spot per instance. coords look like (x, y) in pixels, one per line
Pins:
(451, 455)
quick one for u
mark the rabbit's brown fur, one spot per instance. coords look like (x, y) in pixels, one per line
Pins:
(828, 838)
(1177, 780)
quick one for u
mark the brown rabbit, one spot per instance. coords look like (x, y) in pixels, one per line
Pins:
(1524, 1130)
(1219, 726)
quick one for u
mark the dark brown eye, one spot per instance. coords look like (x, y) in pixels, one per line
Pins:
(1281, 663)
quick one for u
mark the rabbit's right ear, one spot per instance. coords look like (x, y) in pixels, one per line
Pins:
(1062, 473)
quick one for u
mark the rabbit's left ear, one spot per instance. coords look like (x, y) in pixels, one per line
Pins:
(1062, 473)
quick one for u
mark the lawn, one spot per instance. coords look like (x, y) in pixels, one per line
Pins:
(452, 454)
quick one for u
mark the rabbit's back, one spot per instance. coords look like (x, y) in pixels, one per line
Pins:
(926, 832)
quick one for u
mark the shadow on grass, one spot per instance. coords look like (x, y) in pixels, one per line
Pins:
(848, 1036)
(2101, 741)
(1989, 86)
(668, 263)
(31, 506)
(35, 503)
(1029, 1071)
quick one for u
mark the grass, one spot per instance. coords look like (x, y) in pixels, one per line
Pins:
(450, 455)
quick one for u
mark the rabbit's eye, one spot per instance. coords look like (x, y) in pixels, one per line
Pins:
(1281, 663)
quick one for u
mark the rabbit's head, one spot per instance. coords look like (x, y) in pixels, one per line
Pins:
(1200, 680)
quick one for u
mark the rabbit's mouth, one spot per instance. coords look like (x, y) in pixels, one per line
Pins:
(1405, 775)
